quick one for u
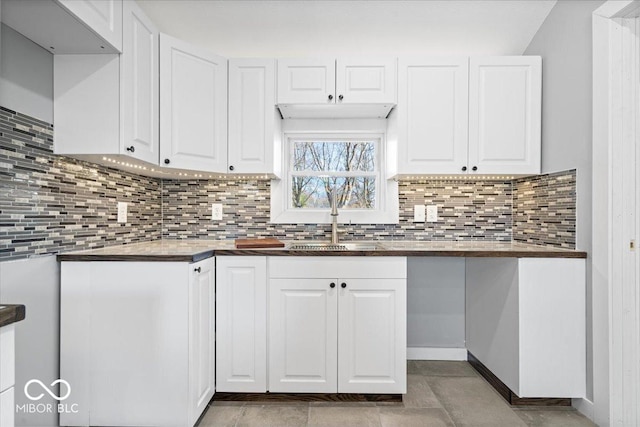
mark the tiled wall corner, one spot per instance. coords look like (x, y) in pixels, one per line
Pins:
(544, 209)
(50, 203)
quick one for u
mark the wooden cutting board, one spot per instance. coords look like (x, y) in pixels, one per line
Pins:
(268, 242)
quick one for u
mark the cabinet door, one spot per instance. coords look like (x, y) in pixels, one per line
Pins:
(140, 69)
(201, 337)
(366, 80)
(504, 114)
(102, 16)
(252, 89)
(302, 336)
(241, 313)
(193, 112)
(7, 410)
(306, 81)
(432, 115)
(372, 339)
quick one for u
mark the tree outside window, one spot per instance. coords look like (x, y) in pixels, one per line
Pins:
(321, 166)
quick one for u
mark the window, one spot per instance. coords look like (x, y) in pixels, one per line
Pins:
(351, 163)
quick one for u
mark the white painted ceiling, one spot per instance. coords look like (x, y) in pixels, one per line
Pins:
(293, 28)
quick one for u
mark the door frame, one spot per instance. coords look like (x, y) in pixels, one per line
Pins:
(616, 208)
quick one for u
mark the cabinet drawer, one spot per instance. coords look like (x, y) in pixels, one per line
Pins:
(342, 267)
(7, 413)
(7, 357)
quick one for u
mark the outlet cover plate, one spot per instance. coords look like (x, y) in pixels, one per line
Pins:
(216, 212)
(432, 213)
(418, 213)
(122, 212)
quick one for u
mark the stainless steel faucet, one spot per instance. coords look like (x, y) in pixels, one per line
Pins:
(334, 217)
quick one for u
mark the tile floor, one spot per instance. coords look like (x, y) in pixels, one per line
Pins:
(438, 394)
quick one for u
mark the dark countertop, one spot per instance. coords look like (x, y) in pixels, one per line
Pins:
(193, 250)
(11, 313)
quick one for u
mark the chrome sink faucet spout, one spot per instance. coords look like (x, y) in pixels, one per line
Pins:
(334, 218)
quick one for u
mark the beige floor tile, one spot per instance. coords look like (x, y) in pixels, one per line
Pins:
(470, 401)
(344, 416)
(419, 394)
(274, 416)
(553, 418)
(221, 416)
(414, 417)
(441, 368)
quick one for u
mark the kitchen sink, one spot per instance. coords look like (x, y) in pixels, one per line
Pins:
(359, 246)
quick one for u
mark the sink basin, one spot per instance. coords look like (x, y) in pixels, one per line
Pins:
(315, 246)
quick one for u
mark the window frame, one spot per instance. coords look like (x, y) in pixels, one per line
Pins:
(386, 203)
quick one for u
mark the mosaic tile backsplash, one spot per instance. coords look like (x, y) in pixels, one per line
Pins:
(51, 203)
(466, 210)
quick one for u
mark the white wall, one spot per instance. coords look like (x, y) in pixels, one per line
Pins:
(564, 42)
(26, 76)
(435, 302)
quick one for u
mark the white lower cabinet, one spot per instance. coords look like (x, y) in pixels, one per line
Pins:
(337, 325)
(7, 375)
(137, 341)
(525, 321)
(241, 310)
(7, 413)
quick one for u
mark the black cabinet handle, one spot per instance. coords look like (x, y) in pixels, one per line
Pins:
(340, 97)
(197, 269)
(332, 285)
(343, 285)
(131, 149)
(231, 168)
(475, 168)
(464, 169)
(167, 161)
(330, 97)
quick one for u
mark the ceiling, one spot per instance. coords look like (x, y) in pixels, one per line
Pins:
(294, 28)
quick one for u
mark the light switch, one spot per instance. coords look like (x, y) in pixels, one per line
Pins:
(432, 213)
(418, 213)
(122, 212)
(216, 212)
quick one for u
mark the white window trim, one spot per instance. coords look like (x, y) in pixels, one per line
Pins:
(387, 210)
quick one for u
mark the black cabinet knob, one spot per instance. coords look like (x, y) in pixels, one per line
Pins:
(230, 168)
(330, 97)
(131, 149)
(343, 285)
(332, 285)
(167, 161)
(464, 169)
(475, 168)
(340, 97)
(197, 270)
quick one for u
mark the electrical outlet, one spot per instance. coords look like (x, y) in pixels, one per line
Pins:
(418, 213)
(432, 213)
(122, 212)
(216, 212)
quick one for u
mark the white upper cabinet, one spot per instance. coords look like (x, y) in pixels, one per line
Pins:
(344, 88)
(140, 103)
(68, 26)
(504, 114)
(432, 115)
(252, 115)
(193, 112)
(461, 116)
(366, 80)
(306, 81)
(110, 100)
(104, 17)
